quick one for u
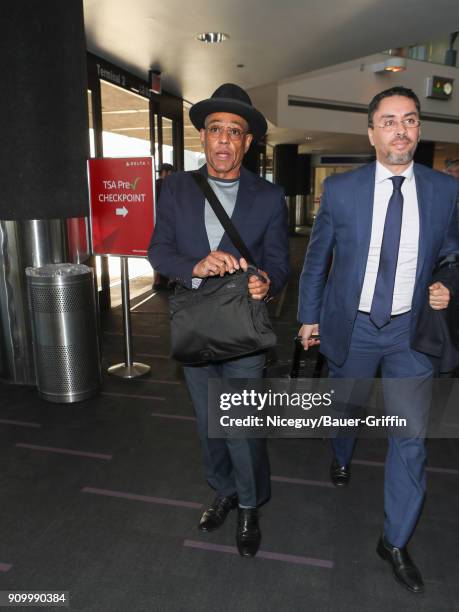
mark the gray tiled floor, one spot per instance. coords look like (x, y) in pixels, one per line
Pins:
(120, 553)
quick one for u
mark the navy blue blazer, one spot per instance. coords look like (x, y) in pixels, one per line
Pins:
(343, 229)
(437, 332)
(180, 240)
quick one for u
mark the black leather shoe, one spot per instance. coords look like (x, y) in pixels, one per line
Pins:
(403, 567)
(340, 475)
(248, 535)
(216, 513)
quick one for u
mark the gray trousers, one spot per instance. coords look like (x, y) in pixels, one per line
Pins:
(232, 466)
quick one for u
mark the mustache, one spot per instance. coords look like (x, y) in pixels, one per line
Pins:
(401, 139)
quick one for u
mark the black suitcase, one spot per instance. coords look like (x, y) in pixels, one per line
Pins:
(295, 368)
(298, 352)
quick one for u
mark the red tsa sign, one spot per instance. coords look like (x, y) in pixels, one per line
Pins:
(122, 205)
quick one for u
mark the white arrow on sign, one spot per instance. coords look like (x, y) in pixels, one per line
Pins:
(122, 212)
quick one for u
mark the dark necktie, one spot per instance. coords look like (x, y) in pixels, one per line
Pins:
(381, 306)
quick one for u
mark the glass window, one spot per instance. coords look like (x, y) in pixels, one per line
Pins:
(125, 122)
(445, 153)
(168, 141)
(269, 169)
(156, 133)
(92, 145)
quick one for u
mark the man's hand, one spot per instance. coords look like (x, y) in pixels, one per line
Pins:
(439, 296)
(216, 263)
(307, 333)
(257, 288)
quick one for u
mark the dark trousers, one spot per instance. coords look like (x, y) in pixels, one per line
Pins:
(389, 349)
(232, 466)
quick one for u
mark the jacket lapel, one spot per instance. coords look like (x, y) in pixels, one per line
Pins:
(200, 233)
(364, 199)
(244, 202)
(424, 190)
(364, 205)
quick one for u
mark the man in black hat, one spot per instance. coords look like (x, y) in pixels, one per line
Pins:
(188, 245)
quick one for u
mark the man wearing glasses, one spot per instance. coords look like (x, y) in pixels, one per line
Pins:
(189, 245)
(386, 225)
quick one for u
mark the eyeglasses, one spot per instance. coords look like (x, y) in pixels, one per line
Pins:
(390, 125)
(234, 133)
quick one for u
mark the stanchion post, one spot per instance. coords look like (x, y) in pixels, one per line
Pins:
(126, 302)
(129, 369)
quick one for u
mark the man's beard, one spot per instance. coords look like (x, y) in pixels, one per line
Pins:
(401, 158)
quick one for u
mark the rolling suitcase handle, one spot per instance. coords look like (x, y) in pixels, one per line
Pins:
(296, 361)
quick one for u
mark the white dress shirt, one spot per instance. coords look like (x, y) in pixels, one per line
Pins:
(409, 241)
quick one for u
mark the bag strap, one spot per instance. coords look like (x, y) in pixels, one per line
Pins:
(223, 217)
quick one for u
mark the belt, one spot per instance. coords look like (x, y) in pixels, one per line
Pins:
(391, 317)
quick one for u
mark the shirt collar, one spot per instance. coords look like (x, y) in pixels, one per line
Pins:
(382, 173)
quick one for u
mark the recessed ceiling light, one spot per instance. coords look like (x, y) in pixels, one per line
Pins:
(391, 64)
(212, 37)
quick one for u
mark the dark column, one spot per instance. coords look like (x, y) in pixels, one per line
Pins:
(303, 174)
(252, 157)
(43, 154)
(44, 141)
(425, 153)
(285, 166)
(285, 160)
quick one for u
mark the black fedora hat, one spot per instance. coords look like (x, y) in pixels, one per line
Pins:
(230, 98)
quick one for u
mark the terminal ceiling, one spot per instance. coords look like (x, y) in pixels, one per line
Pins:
(271, 39)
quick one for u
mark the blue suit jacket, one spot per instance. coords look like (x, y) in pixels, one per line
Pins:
(180, 240)
(343, 229)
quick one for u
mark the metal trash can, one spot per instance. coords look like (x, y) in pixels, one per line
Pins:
(65, 331)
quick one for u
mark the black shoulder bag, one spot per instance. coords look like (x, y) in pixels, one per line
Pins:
(219, 320)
